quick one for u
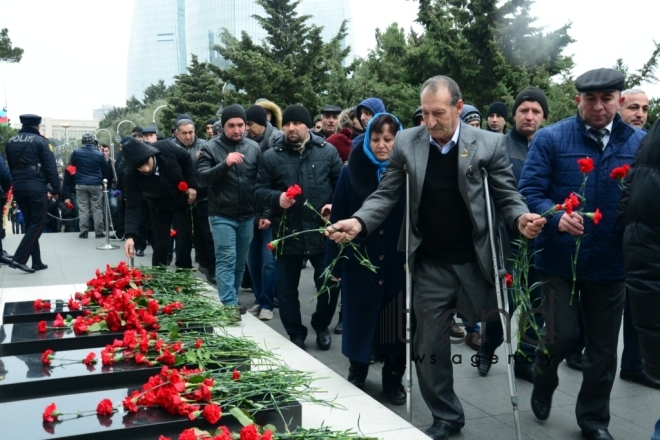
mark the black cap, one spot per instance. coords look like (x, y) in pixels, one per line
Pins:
(137, 129)
(150, 129)
(332, 109)
(136, 153)
(183, 116)
(257, 114)
(31, 120)
(498, 108)
(532, 94)
(212, 121)
(233, 111)
(600, 80)
(296, 113)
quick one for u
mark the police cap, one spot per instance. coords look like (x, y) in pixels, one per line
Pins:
(600, 80)
(30, 120)
(331, 109)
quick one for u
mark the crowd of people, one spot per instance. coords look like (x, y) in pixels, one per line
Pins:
(263, 185)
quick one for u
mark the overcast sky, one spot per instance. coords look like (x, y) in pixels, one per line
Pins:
(75, 50)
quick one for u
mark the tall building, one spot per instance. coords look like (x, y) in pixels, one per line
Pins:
(157, 45)
(99, 113)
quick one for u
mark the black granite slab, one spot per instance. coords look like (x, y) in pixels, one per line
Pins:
(24, 311)
(23, 338)
(26, 377)
(23, 419)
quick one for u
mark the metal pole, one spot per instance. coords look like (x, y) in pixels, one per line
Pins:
(408, 304)
(107, 245)
(502, 304)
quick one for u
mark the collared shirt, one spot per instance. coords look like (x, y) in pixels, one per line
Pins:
(446, 148)
(606, 137)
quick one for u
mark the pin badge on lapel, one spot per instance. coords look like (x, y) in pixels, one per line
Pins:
(464, 153)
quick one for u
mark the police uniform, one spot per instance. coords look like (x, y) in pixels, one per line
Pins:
(32, 166)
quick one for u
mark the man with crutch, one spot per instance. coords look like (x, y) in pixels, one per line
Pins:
(452, 264)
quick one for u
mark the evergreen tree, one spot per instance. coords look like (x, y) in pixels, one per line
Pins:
(155, 92)
(7, 52)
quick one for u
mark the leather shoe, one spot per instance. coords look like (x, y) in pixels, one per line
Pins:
(485, 362)
(473, 340)
(395, 394)
(83, 234)
(5, 259)
(23, 267)
(299, 342)
(574, 361)
(439, 431)
(339, 328)
(541, 407)
(139, 253)
(526, 373)
(40, 266)
(640, 377)
(101, 235)
(355, 380)
(323, 339)
(597, 434)
(455, 331)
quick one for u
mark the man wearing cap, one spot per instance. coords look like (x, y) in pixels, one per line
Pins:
(329, 119)
(136, 132)
(530, 110)
(635, 107)
(32, 166)
(497, 116)
(228, 167)
(302, 158)
(90, 168)
(149, 134)
(551, 172)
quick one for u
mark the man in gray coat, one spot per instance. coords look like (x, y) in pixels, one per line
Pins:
(451, 264)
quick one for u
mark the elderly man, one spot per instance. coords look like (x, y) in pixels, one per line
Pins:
(90, 166)
(550, 174)
(329, 120)
(634, 108)
(451, 258)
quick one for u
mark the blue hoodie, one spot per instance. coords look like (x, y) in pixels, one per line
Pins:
(375, 106)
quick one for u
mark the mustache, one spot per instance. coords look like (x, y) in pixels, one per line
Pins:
(434, 127)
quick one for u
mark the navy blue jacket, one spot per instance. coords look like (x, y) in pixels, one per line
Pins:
(375, 106)
(90, 165)
(5, 176)
(31, 162)
(551, 173)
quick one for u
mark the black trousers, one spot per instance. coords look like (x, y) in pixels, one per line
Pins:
(203, 235)
(35, 206)
(161, 222)
(601, 305)
(185, 240)
(143, 232)
(288, 278)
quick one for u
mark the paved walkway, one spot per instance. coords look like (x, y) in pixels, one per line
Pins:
(486, 402)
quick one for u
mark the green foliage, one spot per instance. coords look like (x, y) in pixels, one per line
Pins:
(7, 52)
(155, 92)
(654, 112)
(6, 132)
(196, 93)
(645, 74)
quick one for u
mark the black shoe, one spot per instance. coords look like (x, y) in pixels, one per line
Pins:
(541, 407)
(323, 339)
(574, 361)
(640, 377)
(526, 373)
(83, 234)
(597, 434)
(101, 235)
(276, 303)
(439, 431)
(5, 259)
(300, 342)
(339, 328)
(23, 267)
(485, 361)
(356, 379)
(40, 266)
(139, 253)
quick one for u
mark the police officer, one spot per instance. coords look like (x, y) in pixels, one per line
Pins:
(32, 166)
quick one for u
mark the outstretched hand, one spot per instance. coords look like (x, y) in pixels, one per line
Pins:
(343, 230)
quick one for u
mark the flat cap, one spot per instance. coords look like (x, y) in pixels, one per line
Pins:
(331, 109)
(600, 80)
(150, 129)
(30, 120)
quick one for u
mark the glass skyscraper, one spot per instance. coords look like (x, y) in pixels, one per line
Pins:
(157, 45)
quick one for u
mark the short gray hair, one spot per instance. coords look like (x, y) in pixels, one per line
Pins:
(434, 83)
(632, 92)
(182, 122)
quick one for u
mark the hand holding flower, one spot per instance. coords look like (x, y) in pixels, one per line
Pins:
(530, 225)
(571, 223)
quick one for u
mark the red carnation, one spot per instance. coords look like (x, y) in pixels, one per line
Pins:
(182, 186)
(596, 217)
(42, 327)
(568, 206)
(113, 320)
(620, 173)
(249, 432)
(293, 191)
(198, 343)
(47, 356)
(39, 304)
(236, 375)
(270, 246)
(90, 359)
(586, 165)
(50, 414)
(105, 408)
(575, 201)
(59, 321)
(268, 435)
(73, 304)
(188, 434)
(212, 413)
(173, 232)
(508, 280)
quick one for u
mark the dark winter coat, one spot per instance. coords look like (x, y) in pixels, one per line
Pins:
(69, 183)
(230, 187)
(90, 165)
(266, 142)
(160, 188)
(364, 293)
(551, 173)
(31, 162)
(316, 171)
(195, 150)
(5, 178)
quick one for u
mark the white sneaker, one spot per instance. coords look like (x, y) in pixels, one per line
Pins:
(266, 315)
(254, 310)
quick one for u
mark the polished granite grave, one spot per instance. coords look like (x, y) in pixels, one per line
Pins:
(24, 311)
(146, 424)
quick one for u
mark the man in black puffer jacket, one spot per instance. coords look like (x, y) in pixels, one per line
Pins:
(639, 212)
(299, 157)
(164, 174)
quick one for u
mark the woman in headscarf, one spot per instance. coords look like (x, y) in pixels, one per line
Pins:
(371, 302)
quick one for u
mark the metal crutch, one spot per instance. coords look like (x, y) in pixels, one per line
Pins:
(408, 303)
(502, 301)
